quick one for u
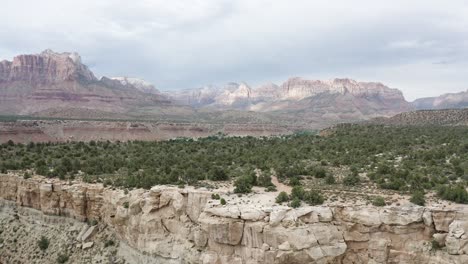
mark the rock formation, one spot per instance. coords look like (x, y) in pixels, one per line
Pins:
(139, 84)
(334, 99)
(34, 83)
(173, 225)
(445, 101)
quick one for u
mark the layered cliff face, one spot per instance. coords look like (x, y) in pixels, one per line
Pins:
(49, 80)
(173, 225)
(337, 97)
(45, 68)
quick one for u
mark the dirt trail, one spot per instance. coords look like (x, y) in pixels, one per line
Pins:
(280, 186)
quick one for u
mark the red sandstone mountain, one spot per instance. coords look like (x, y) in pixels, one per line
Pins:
(338, 99)
(34, 83)
(60, 85)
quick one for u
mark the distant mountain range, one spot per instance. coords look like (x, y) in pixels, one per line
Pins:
(32, 84)
(335, 99)
(445, 101)
(60, 85)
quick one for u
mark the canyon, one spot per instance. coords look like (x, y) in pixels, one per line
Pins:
(184, 225)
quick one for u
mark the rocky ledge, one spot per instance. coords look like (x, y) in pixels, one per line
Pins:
(172, 225)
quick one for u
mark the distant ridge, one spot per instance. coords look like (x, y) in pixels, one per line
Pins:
(452, 117)
(445, 101)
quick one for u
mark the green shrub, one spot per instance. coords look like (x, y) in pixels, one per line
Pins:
(456, 193)
(297, 192)
(295, 203)
(282, 197)
(418, 198)
(125, 204)
(330, 179)
(43, 243)
(294, 181)
(313, 197)
(378, 201)
(264, 180)
(218, 174)
(215, 196)
(243, 185)
(320, 173)
(62, 258)
(351, 180)
(109, 243)
(271, 189)
(222, 201)
(26, 175)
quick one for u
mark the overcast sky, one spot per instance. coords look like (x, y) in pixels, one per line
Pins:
(420, 47)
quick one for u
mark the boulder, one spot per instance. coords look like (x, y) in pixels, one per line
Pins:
(427, 217)
(401, 215)
(442, 219)
(89, 233)
(87, 245)
(278, 214)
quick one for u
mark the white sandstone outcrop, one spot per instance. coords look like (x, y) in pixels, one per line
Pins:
(182, 226)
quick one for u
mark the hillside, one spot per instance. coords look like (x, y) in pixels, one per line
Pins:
(453, 117)
(445, 101)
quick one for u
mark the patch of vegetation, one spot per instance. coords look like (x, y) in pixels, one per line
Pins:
(378, 201)
(243, 184)
(401, 158)
(330, 179)
(222, 201)
(455, 193)
(62, 258)
(282, 197)
(109, 243)
(43, 243)
(295, 203)
(418, 198)
(313, 197)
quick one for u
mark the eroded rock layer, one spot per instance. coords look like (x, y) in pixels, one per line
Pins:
(62, 131)
(172, 225)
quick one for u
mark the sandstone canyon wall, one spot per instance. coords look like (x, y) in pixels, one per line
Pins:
(172, 225)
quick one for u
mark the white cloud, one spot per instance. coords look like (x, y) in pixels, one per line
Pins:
(182, 43)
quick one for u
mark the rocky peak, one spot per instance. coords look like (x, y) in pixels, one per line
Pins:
(233, 93)
(298, 88)
(47, 67)
(139, 84)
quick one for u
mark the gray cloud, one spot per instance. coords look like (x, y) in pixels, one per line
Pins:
(183, 44)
